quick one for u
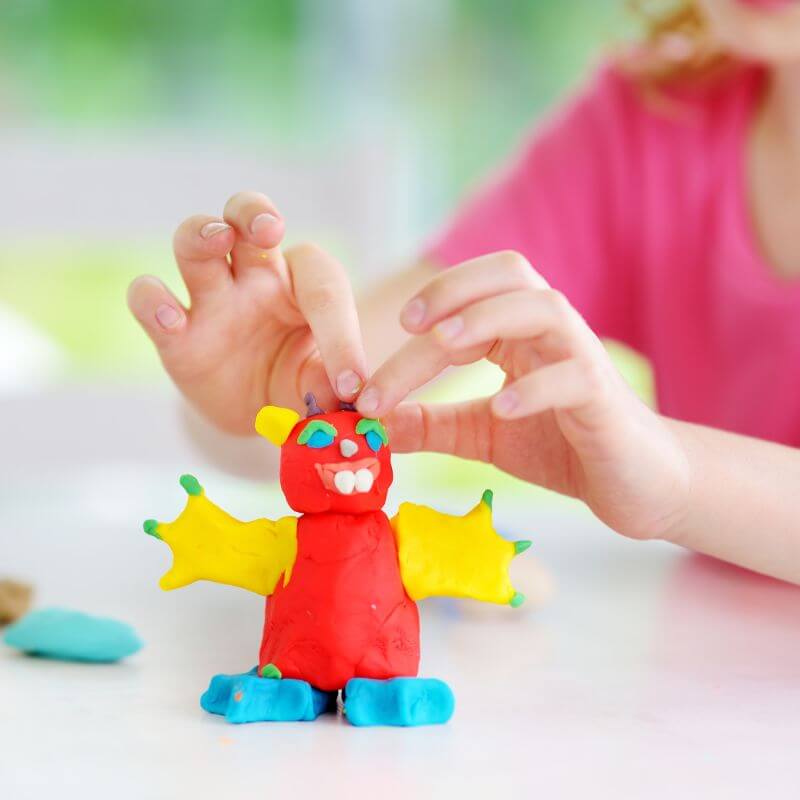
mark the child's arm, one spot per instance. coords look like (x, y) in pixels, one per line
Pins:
(567, 420)
(744, 503)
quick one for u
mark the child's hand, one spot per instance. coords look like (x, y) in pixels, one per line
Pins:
(565, 418)
(263, 327)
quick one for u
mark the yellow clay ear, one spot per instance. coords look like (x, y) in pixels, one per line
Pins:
(276, 423)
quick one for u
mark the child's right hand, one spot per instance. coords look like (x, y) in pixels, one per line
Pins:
(262, 327)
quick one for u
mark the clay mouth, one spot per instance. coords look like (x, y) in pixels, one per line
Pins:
(349, 477)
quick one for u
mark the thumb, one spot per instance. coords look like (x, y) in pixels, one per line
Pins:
(459, 429)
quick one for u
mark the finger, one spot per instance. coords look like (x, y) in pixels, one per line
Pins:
(473, 280)
(323, 294)
(158, 311)
(542, 314)
(461, 429)
(418, 361)
(311, 377)
(259, 231)
(201, 244)
(575, 384)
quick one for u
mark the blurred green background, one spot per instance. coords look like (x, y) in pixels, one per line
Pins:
(365, 120)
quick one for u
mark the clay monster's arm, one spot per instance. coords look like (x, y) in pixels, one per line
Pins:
(441, 554)
(209, 544)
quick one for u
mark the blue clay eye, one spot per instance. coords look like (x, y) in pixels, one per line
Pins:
(319, 439)
(373, 440)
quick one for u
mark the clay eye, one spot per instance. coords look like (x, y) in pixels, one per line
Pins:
(374, 441)
(317, 434)
(319, 439)
(373, 432)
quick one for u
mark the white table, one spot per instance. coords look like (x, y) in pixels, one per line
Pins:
(648, 673)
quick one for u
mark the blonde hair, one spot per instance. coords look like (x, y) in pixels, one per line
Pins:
(677, 45)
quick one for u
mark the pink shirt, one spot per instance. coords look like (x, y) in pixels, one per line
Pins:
(640, 217)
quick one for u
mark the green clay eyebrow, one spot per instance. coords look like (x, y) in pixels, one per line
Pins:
(366, 425)
(314, 426)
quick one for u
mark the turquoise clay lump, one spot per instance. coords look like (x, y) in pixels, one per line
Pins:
(66, 635)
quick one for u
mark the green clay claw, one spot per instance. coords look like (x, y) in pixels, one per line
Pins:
(151, 528)
(517, 600)
(271, 671)
(521, 546)
(191, 485)
(487, 496)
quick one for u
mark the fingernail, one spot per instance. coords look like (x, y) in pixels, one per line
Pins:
(413, 313)
(368, 402)
(262, 221)
(168, 316)
(348, 383)
(506, 402)
(213, 228)
(449, 328)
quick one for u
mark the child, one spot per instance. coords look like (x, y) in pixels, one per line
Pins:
(662, 205)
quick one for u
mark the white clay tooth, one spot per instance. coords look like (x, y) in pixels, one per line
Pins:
(344, 481)
(363, 480)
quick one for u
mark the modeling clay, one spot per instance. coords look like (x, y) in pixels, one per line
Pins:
(398, 701)
(342, 578)
(72, 636)
(15, 600)
(248, 698)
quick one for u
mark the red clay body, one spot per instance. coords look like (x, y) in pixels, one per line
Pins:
(345, 612)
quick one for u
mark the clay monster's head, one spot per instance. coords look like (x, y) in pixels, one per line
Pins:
(339, 461)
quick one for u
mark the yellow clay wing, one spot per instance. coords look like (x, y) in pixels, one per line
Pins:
(209, 544)
(441, 554)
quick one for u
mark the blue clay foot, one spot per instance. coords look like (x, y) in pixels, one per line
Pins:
(215, 699)
(248, 698)
(398, 701)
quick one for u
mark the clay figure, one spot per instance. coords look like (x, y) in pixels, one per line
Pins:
(341, 580)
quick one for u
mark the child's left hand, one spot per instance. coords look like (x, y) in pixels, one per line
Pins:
(565, 418)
